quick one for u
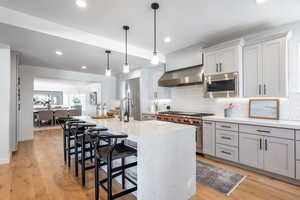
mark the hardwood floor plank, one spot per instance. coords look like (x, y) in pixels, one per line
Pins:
(38, 172)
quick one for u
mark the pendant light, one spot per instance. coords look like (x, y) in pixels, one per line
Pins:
(108, 70)
(126, 66)
(155, 58)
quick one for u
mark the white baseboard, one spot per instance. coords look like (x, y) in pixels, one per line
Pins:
(4, 161)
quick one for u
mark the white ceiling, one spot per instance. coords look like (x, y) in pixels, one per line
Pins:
(38, 49)
(186, 22)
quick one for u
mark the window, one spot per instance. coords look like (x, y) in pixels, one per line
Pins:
(42, 97)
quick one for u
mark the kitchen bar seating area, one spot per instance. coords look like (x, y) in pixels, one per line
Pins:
(104, 147)
(150, 100)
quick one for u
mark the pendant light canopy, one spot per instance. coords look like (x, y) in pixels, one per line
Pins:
(155, 58)
(126, 65)
(108, 70)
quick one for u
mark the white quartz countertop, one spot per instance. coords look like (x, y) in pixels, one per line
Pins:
(260, 122)
(135, 129)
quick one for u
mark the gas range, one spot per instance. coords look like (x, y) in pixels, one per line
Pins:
(191, 118)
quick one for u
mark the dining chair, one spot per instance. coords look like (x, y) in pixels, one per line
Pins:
(74, 112)
(60, 114)
(45, 115)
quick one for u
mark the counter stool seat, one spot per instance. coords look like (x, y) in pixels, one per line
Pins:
(105, 155)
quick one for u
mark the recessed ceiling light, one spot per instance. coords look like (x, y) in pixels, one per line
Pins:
(60, 53)
(83, 67)
(261, 1)
(167, 39)
(81, 3)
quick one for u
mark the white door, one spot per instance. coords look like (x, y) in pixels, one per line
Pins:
(251, 150)
(210, 63)
(227, 59)
(279, 156)
(209, 141)
(274, 68)
(252, 70)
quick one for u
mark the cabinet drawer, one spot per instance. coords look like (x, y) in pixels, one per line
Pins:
(298, 150)
(297, 135)
(227, 137)
(227, 126)
(268, 131)
(227, 152)
(298, 169)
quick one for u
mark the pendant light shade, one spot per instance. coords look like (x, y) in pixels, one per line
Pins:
(108, 70)
(155, 58)
(126, 65)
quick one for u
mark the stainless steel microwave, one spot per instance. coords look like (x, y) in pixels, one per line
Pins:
(222, 85)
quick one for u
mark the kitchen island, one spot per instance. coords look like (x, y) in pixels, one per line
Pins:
(166, 157)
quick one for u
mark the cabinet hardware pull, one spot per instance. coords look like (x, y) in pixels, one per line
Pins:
(226, 138)
(265, 89)
(223, 126)
(220, 67)
(266, 144)
(217, 67)
(263, 131)
(225, 152)
(260, 143)
(259, 89)
(209, 123)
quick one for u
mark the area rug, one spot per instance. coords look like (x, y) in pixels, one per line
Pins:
(218, 178)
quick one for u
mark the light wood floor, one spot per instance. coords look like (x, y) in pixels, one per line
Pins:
(37, 172)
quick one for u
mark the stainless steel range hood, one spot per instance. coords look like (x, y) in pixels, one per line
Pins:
(182, 77)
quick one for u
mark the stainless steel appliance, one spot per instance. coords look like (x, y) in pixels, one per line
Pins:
(182, 77)
(222, 85)
(130, 105)
(190, 118)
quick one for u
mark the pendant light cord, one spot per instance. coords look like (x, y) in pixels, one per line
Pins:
(108, 61)
(154, 31)
(126, 60)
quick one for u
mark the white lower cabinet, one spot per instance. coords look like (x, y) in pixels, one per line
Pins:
(279, 156)
(209, 138)
(227, 152)
(298, 150)
(268, 153)
(298, 169)
(251, 152)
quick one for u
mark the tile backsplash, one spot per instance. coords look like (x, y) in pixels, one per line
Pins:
(190, 98)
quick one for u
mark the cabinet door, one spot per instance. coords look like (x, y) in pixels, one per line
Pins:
(252, 70)
(274, 72)
(210, 63)
(251, 150)
(228, 60)
(209, 141)
(279, 156)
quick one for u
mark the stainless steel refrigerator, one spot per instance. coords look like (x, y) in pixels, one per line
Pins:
(132, 88)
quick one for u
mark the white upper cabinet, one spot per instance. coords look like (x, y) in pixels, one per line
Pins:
(211, 66)
(252, 71)
(228, 61)
(265, 69)
(223, 58)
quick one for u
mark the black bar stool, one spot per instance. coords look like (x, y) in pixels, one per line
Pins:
(85, 143)
(73, 128)
(105, 155)
(63, 123)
